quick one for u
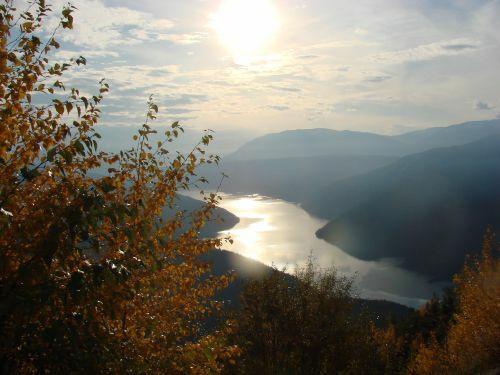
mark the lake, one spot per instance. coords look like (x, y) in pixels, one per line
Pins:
(276, 232)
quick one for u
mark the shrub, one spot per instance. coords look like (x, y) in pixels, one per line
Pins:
(303, 325)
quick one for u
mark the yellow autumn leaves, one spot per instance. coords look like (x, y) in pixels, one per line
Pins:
(91, 279)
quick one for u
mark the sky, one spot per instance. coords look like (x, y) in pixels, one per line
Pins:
(381, 66)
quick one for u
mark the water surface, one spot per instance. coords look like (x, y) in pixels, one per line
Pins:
(276, 232)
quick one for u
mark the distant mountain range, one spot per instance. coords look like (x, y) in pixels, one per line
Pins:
(322, 142)
(317, 142)
(424, 197)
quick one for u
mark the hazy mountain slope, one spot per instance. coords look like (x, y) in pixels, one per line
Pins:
(332, 200)
(320, 142)
(317, 142)
(428, 209)
(451, 135)
(291, 179)
(221, 219)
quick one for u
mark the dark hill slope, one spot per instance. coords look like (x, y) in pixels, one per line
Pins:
(429, 209)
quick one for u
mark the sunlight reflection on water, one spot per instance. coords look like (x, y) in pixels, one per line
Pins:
(280, 233)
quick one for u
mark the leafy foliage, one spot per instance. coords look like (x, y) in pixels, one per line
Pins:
(92, 279)
(303, 325)
(472, 344)
(457, 333)
(398, 341)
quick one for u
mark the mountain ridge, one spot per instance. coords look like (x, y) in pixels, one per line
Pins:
(324, 141)
(316, 142)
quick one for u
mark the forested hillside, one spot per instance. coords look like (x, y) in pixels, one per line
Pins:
(428, 209)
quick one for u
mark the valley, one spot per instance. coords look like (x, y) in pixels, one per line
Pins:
(418, 212)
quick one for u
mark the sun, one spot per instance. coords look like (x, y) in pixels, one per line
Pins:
(245, 26)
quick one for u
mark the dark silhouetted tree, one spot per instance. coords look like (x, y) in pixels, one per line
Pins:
(303, 325)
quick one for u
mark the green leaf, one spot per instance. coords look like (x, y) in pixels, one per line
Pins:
(79, 147)
(51, 153)
(67, 156)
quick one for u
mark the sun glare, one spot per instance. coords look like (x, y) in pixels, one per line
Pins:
(245, 26)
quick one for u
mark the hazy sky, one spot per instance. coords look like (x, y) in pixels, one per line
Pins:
(384, 66)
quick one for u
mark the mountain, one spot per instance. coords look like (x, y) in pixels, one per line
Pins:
(322, 142)
(317, 142)
(428, 209)
(292, 164)
(290, 179)
(454, 135)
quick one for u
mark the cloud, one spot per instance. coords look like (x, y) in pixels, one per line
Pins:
(184, 99)
(344, 68)
(360, 31)
(279, 107)
(459, 47)
(286, 89)
(66, 54)
(483, 106)
(378, 78)
(98, 26)
(185, 39)
(220, 82)
(307, 57)
(179, 111)
(428, 51)
(334, 44)
(181, 118)
(129, 77)
(101, 26)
